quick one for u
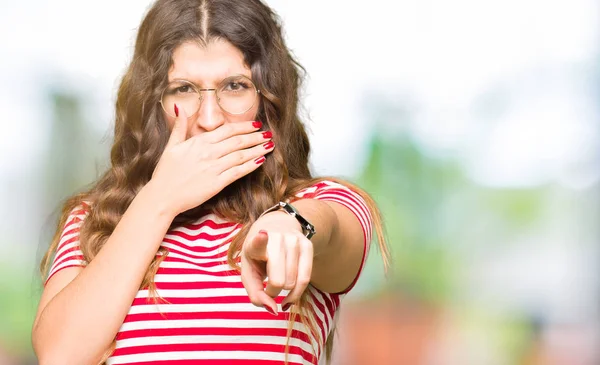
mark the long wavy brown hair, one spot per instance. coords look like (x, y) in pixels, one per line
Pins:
(141, 132)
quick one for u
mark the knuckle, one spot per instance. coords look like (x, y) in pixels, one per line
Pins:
(254, 300)
(240, 158)
(228, 129)
(305, 243)
(235, 142)
(205, 155)
(276, 283)
(236, 172)
(292, 243)
(240, 142)
(303, 281)
(239, 172)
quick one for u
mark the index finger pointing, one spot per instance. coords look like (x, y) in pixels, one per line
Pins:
(253, 283)
(252, 274)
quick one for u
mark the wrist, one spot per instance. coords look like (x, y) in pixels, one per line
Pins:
(280, 218)
(307, 229)
(152, 193)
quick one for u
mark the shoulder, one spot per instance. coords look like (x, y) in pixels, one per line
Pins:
(346, 194)
(321, 186)
(67, 252)
(79, 212)
(338, 191)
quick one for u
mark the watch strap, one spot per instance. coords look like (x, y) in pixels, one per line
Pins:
(307, 227)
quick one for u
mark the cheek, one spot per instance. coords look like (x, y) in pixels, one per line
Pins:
(247, 116)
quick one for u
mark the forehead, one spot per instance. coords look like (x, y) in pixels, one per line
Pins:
(207, 64)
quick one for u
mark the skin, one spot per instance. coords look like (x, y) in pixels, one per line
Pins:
(275, 247)
(207, 67)
(205, 152)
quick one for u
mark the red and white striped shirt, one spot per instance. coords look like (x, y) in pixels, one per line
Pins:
(208, 318)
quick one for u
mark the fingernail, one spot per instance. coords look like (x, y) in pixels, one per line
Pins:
(269, 145)
(263, 232)
(267, 134)
(270, 310)
(286, 306)
(260, 160)
(257, 124)
(176, 110)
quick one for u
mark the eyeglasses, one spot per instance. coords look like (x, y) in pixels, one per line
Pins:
(235, 95)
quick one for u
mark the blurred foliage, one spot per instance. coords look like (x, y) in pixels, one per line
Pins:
(409, 188)
(438, 221)
(17, 313)
(432, 212)
(68, 168)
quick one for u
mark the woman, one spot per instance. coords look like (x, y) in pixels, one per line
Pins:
(207, 241)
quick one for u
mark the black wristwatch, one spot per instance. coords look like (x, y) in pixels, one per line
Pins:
(307, 228)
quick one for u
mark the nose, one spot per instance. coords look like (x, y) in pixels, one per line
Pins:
(210, 116)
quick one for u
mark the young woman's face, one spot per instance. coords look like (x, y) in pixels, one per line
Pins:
(207, 67)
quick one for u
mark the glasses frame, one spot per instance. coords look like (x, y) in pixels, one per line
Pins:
(201, 99)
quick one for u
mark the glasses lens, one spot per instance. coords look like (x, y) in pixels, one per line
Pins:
(236, 94)
(182, 93)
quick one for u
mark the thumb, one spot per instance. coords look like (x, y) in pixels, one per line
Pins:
(180, 127)
(257, 247)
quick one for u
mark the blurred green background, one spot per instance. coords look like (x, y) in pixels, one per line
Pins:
(474, 125)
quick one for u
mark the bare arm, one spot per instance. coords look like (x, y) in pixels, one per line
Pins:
(84, 308)
(331, 260)
(338, 246)
(339, 251)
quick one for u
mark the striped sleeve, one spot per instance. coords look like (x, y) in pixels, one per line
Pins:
(335, 192)
(68, 252)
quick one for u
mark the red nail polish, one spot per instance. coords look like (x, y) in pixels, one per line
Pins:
(176, 110)
(270, 310)
(269, 145)
(286, 307)
(267, 134)
(257, 124)
(260, 160)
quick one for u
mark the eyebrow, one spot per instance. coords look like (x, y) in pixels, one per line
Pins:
(197, 82)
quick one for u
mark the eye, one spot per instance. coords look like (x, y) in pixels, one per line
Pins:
(184, 89)
(236, 86)
(179, 88)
